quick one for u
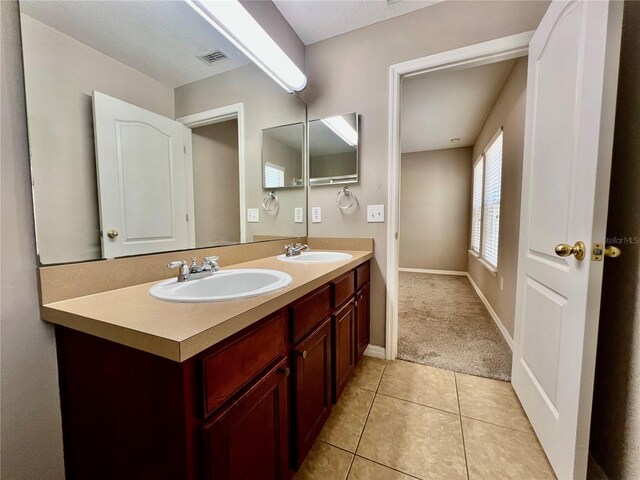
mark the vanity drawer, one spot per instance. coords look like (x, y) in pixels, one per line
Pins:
(343, 288)
(362, 275)
(228, 369)
(310, 311)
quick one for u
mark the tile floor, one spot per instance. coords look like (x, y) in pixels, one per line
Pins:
(400, 420)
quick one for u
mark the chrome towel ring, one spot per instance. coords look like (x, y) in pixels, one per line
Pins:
(271, 198)
(346, 192)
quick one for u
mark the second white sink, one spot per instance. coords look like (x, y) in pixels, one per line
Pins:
(316, 257)
(222, 285)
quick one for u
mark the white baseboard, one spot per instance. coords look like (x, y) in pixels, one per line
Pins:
(492, 312)
(433, 272)
(375, 351)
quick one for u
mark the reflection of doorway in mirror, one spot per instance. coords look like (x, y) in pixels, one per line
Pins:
(215, 183)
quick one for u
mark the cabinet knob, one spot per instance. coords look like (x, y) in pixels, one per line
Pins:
(285, 371)
(303, 354)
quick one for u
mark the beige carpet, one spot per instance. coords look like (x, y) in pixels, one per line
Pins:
(443, 323)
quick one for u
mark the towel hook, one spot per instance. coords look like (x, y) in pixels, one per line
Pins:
(346, 191)
(270, 196)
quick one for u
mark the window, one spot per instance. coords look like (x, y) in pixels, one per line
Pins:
(487, 186)
(273, 175)
(476, 214)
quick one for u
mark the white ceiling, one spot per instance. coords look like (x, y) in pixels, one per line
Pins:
(158, 38)
(315, 20)
(439, 106)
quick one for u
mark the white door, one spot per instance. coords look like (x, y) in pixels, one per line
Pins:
(144, 180)
(573, 67)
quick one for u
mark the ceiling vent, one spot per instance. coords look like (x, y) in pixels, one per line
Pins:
(212, 57)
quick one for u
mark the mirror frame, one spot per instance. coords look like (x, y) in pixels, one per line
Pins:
(337, 182)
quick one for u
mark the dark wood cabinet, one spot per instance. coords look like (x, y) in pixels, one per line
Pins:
(363, 305)
(312, 389)
(249, 438)
(249, 407)
(344, 346)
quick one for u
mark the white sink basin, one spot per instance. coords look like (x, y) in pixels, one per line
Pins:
(316, 257)
(222, 285)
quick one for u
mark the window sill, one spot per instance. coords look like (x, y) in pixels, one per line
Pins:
(493, 271)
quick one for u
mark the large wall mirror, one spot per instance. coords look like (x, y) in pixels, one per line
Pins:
(146, 133)
(333, 150)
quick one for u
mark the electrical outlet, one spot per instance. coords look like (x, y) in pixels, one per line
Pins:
(375, 213)
(253, 215)
(298, 215)
(501, 283)
(316, 214)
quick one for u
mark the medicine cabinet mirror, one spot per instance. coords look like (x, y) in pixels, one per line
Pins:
(145, 132)
(333, 150)
(283, 156)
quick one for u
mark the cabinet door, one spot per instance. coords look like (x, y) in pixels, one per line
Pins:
(344, 333)
(249, 438)
(363, 302)
(312, 388)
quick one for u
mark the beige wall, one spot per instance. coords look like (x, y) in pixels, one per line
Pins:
(333, 165)
(266, 105)
(435, 201)
(615, 433)
(31, 440)
(61, 74)
(350, 73)
(508, 112)
(216, 187)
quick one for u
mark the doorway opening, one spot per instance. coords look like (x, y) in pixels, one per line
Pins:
(462, 136)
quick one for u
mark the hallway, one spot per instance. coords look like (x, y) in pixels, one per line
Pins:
(443, 323)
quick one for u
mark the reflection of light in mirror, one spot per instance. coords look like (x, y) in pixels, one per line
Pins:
(232, 20)
(341, 128)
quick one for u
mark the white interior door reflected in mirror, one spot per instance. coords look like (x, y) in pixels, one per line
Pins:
(144, 183)
(283, 156)
(333, 150)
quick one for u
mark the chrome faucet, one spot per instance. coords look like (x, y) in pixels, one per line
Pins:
(194, 271)
(293, 250)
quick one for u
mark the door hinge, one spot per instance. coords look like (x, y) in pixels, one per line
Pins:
(187, 217)
(184, 148)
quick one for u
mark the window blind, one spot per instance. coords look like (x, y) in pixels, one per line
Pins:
(273, 175)
(491, 201)
(476, 213)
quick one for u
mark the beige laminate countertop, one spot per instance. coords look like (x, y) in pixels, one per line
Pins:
(177, 331)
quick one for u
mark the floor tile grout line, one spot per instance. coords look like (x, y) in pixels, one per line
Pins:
(464, 445)
(387, 466)
(498, 425)
(375, 394)
(457, 414)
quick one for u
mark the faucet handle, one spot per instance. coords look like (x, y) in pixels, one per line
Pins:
(213, 261)
(288, 246)
(177, 264)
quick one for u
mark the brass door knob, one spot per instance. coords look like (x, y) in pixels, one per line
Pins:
(112, 233)
(612, 252)
(564, 250)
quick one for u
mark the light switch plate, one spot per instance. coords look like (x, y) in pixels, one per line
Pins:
(253, 215)
(298, 215)
(316, 214)
(375, 213)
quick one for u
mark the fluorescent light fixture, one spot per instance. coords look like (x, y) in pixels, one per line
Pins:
(341, 128)
(231, 19)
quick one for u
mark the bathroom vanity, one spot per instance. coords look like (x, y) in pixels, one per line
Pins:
(224, 404)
